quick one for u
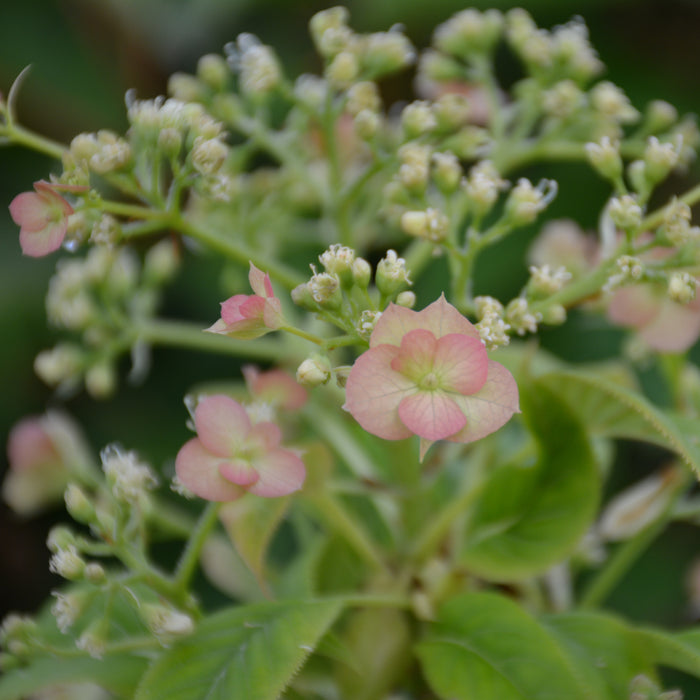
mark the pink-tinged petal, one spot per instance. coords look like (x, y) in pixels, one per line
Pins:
(281, 472)
(266, 436)
(60, 187)
(29, 445)
(416, 354)
(276, 387)
(222, 424)
(373, 392)
(53, 200)
(198, 470)
(634, 306)
(217, 327)
(28, 210)
(461, 363)
(231, 308)
(440, 318)
(36, 244)
(490, 408)
(431, 415)
(253, 308)
(260, 282)
(238, 472)
(675, 328)
(272, 314)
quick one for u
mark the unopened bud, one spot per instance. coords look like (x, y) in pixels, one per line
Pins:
(95, 573)
(625, 212)
(213, 70)
(67, 563)
(447, 172)
(682, 287)
(314, 371)
(60, 537)
(367, 123)
(101, 380)
(418, 119)
(605, 158)
(660, 159)
(526, 201)
(406, 299)
(78, 504)
(325, 290)
(391, 276)
(343, 69)
(430, 224)
(166, 623)
(301, 296)
(361, 272)
(338, 260)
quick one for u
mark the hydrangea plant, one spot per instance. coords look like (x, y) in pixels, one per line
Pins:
(399, 494)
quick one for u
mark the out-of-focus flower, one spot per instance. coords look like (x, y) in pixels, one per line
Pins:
(232, 455)
(43, 217)
(249, 316)
(427, 373)
(44, 452)
(274, 386)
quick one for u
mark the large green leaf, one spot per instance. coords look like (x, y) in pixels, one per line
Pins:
(612, 410)
(486, 647)
(245, 653)
(531, 514)
(606, 652)
(116, 673)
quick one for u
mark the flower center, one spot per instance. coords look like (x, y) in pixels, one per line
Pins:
(430, 381)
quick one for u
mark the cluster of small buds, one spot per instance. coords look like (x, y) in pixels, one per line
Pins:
(256, 64)
(208, 155)
(520, 318)
(324, 288)
(625, 212)
(415, 166)
(386, 52)
(17, 633)
(68, 607)
(676, 225)
(431, 224)
(483, 186)
(682, 287)
(545, 281)
(418, 119)
(128, 478)
(469, 32)
(392, 276)
(452, 111)
(106, 231)
(526, 201)
(605, 158)
(103, 152)
(611, 102)
(339, 260)
(368, 320)
(661, 158)
(492, 327)
(563, 100)
(630, 269)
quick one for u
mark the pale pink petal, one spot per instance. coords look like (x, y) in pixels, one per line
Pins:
(281, 472)
(29, 445)
(260, 282)
(222, 424)
(489, 408)
(675, 328)
(28, 210)
(57, 205)
(39, 243)
(275, 386)
(634, 306)
(198, 470)
(373, 392)
(265, 435)
(217, 327)
(416, 354)
(272, 314)
(238, 472)
(461, 363)
(253, 308)
(431, 415)
(440, 318)
(231, 308)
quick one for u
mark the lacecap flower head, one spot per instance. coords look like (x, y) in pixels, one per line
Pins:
(249, 316)
(427, 373)
(231, 455)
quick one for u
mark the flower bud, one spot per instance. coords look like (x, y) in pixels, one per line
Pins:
(391, 276)
(166, 623)
(361, 272)
(170, 142)
(101, 379)
(452, 111)
(682, 287)
(660, 115)
(469, 32)
(343, 69)
(67, 563)
(365, 326)
(363, 96)
(434, 66)
(611, 102)
(625, 213)
(430, 224)
(62, 363)
(161, 262)
(406, 299)
(483, 187)
(213, 70)
(94, 639)
(78, 504)
(367, 124)
(526, 202)
(520, 318)
(68, 607)
(60, 537)
(185, 88)
(325, 290)
(314, 371)
(338, 260)
(418, 119)
(208, 155)
(447, 172)
(554, 315)
(605, 158)
(321, 23)
(660, 159)
(301, 296)
(386, 52)
(95, 573)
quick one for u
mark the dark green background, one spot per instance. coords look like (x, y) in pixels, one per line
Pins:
(86, 54)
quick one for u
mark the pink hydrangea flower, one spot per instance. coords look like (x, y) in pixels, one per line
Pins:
(249, 316)
(232, 455)
(276, 387)
(664, 325)
(427, 374)
(43, 217)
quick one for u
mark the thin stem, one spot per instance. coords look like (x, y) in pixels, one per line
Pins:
(656, 218)
(23, 137)
(188, 562)
(135, 211)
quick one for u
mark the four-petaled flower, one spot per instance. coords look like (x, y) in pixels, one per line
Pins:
(232, 455)
(43, 217)
(427, 373)
(249, 316)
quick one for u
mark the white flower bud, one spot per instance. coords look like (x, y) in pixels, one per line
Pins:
(343, 69)
(78, 504)
(563, 99)
(545, 280)
(417, 119)
(605, 158)
(391, 274)
(68, 607)
(447, 171)
(611, 102)
(208, 155)
(406, 299)
(361, 272)
(368, 320)
(213, 70)
(166, 623)
(61, 363)
(483, 187)
(127, 477)
(67, 563)
(314, 371)
(257, 66)
(338, 260)
(526, 201)
(367, 123)
(520, 318)
(661, 158)
(311, 90)
(677, 226)
(625, 212)
(386, 52)
(325, 290)
(469, 32)
(430, 224)
(682, 287)
(361, 96)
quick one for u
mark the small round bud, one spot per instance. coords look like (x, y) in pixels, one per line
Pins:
(605, 158)
(430, 224)
(392, 276)
(185, 88)
(161, 262)
(526, 201)
(386, 52)
(452, 111)
(611, 102)
(60, 537)
(660, 159)
(208, 155)
(94, 639)
(520, 318)
(95, 573)
(68, 607)
(170, 142)
(361, 272)
(338, 260)
(60, 364)
(322, 22)
(660, 115)
(469, 32)
(406, 299)
(563, 99)
(78, 504)
(435, 66)
(483, 187)
(363, 96)
(554, 315)
(213, 70)
(314, 371)
(101, 380)
(625, 212)
(67, 563)
(301, 296)
(418, 119)
(367, 124)
(447, 172)
(343, 69)
(166, 623)
(325, 290)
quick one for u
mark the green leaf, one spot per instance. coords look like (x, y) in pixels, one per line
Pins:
(485, 647)
(245, 653)
(530, 514)
(612, 410)
(117, 673)
(606, 652)
(679, 650)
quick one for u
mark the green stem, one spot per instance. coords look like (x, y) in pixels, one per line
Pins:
(23, 137)
(135, 211)
(194, 337)
(188, 562)
(656, 218)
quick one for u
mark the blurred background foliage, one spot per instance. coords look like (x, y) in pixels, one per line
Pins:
(86, 54)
